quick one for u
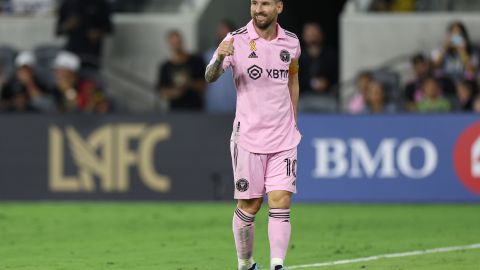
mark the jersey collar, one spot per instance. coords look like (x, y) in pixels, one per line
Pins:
(254, 35)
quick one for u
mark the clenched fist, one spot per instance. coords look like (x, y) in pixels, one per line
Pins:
(225, 49)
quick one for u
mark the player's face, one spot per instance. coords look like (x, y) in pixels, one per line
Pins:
(265, 12)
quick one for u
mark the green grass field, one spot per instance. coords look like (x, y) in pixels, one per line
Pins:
(148, 236)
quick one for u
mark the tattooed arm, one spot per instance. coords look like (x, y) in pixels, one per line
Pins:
(215, 70)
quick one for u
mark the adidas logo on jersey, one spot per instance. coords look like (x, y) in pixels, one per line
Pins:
(253, 55)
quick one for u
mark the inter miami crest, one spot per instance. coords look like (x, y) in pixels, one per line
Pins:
(242, 185)
(285, 56)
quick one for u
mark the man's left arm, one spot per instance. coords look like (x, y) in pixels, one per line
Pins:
(293, 85)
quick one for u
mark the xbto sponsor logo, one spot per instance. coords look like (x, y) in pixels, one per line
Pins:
(277, 73)
(255, 72)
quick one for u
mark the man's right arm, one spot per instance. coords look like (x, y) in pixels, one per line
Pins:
(215, 69)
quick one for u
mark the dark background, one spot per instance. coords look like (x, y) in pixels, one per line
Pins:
(326, 13)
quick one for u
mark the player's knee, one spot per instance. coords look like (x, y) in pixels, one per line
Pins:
(250, 206)
(280, 200)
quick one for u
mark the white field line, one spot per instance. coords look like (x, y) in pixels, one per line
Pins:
(387, 256)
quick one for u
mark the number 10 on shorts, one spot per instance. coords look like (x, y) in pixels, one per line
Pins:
(291, 167)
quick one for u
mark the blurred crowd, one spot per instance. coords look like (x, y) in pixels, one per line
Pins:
(67, 78)
(445, 80)
(415, 5)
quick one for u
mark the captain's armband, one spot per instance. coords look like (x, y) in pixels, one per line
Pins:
(294, 66)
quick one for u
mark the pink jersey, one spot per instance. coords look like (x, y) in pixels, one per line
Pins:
(265, 120)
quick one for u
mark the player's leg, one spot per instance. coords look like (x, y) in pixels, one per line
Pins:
(244, 231)
(249, 174)
(280, 185)
(279, 226)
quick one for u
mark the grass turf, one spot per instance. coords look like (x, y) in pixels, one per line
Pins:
(147, 236)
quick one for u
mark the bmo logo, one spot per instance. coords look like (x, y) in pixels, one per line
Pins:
(466, 158)
(335, 158)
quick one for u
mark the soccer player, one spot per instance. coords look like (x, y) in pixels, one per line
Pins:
(264, 60)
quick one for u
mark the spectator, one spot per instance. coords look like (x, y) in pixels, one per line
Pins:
(357, 103)
(181, 78)
(423, 69)
(466, 92)
(25, 92)
(376, 100)
(432, 100)
(319, 64)
(85, 23)
(458, 58)
(75, 94)
(221, 95)
(476, 104)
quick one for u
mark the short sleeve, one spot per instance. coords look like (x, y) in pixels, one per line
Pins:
(228, 61)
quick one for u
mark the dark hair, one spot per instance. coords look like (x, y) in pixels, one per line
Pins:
(464, 33)
(365, 73)
(418, 57)
(386, 97)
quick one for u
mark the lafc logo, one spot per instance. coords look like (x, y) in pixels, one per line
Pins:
(106, 157)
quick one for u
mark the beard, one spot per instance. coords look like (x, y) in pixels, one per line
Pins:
(263, 24)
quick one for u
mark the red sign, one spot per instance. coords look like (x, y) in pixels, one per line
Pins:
(466, 158)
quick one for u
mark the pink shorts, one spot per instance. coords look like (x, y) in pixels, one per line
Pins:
(257, 174)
